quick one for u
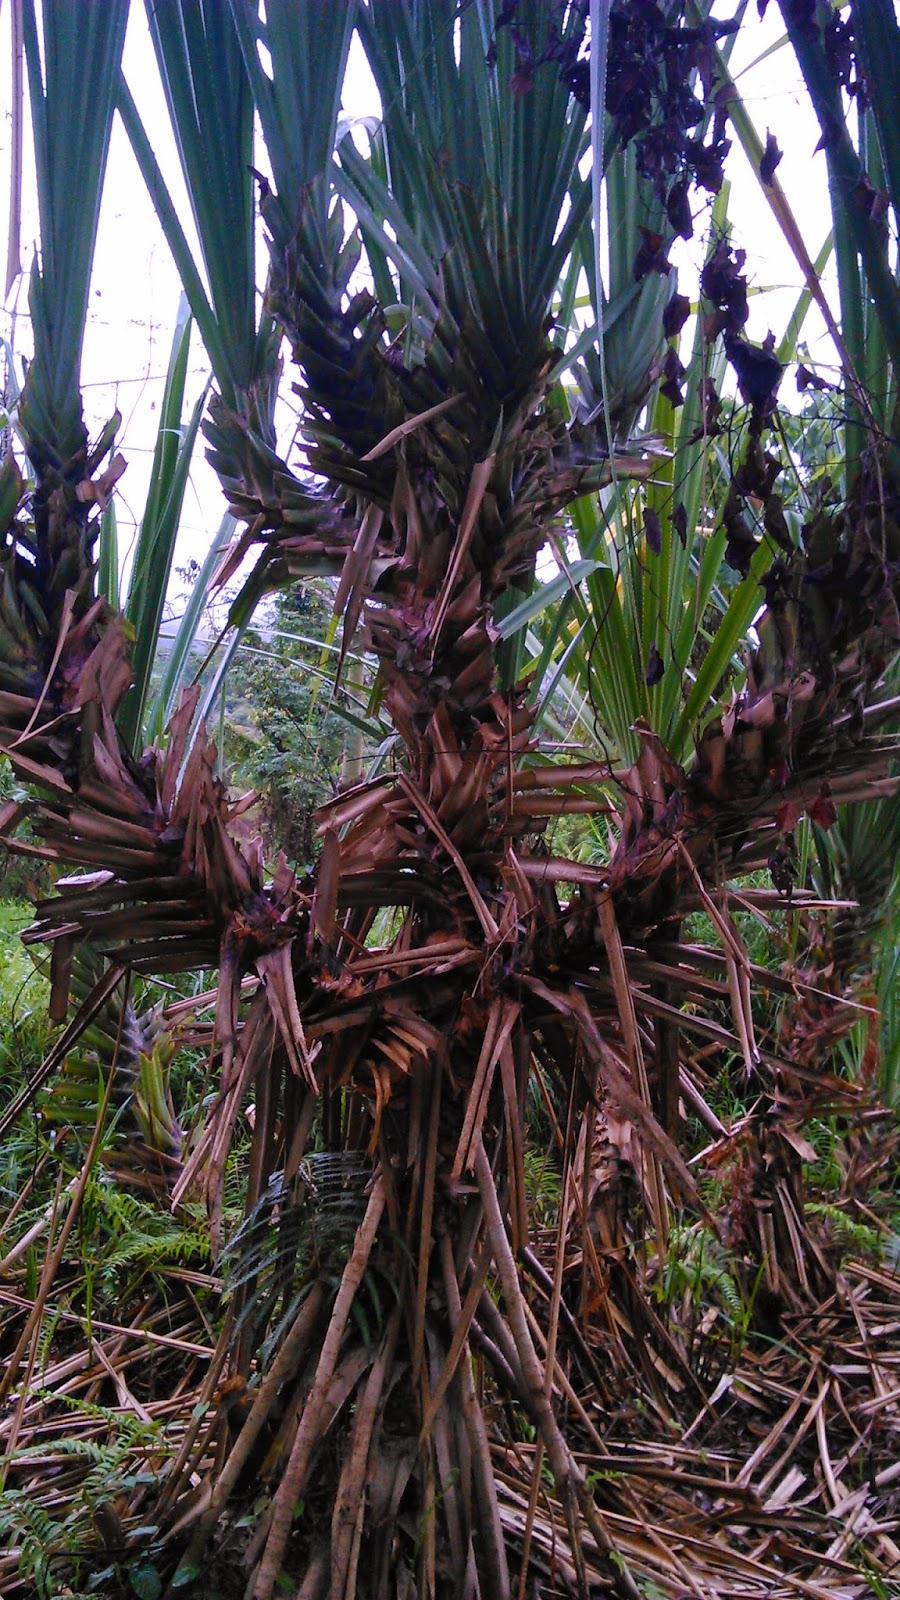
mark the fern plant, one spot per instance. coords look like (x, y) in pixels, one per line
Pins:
(295, 1231)
(57, 1539)
(699, 1267)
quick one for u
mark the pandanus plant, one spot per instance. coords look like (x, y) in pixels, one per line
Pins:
(415, 276)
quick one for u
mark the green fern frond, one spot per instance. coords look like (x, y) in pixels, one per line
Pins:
(854, 1238)
(293, 1228)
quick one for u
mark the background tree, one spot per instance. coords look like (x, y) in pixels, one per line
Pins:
(285, 737)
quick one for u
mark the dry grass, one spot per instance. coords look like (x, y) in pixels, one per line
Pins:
(776, 1476)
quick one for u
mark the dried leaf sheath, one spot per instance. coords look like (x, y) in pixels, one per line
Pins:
(444, 462)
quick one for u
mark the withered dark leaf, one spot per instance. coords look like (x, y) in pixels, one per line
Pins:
(758, 472)
(712, 411)
(707, 161)
(787, 815)
(740, 549)
(679, 522)
(678, 209)
(874, 202)
(723, 283)
(823, 810)
(759, 373)
(577, 79)
(672, 374)
(775, 522)
(651, 256)
(709, 399)
(837, 37)
(774, 587)
(655, 667)
(770, 159)
(741, 540)
(652, 530)
(675, 315)
(810, 380)
(781, 866)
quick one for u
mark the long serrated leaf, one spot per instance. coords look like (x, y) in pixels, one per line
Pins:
(298, 98)
(731, 630)
(204, 78)
(177, 652)
(545, 596)
(72, 84)
(175, 237)
(108, 563)
(159, 528)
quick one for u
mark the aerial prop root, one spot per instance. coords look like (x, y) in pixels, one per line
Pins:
(281, 1514)
(570, 1480)
(283, 1369)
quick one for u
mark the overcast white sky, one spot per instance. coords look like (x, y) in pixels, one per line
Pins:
(135, 289)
